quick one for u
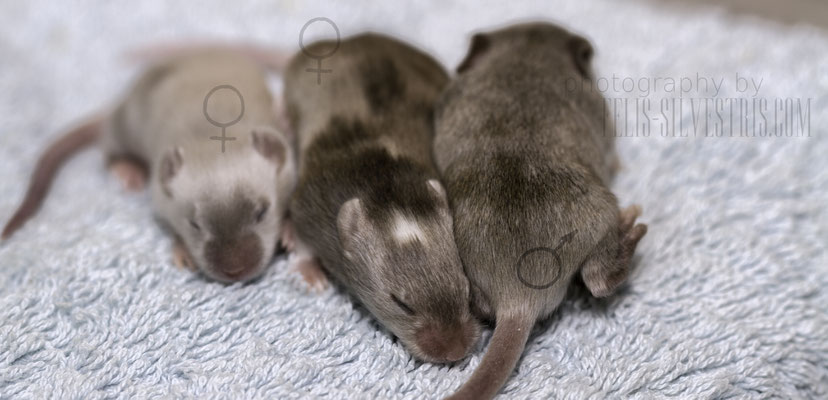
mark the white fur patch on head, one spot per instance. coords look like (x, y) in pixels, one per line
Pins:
(406, 229)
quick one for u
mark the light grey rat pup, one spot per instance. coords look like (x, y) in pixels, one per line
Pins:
(527, 163)
(225, 202)
(368, 204)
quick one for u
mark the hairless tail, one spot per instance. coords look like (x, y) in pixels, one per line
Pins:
(507, 344)
(47, 167)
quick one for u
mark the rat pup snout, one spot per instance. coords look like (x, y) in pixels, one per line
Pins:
(235, 259)
(447, 343)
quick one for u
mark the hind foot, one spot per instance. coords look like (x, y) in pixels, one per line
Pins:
(629, 231)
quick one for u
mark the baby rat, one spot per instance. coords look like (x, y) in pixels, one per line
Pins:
(526, 165)
(368, 204)
(224, 201)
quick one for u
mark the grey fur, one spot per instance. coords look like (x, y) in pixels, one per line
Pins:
(364, 138)
(526, 165)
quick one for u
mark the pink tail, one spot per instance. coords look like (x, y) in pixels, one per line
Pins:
(47, 167)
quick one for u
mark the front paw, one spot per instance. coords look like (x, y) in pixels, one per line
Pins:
(312, 273)
(288, 236)
(133, 176)
(181, 256)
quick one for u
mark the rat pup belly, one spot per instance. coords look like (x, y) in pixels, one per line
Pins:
(526, 166)
(368, 204)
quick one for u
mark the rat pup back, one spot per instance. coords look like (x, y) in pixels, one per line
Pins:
(526, 165)
(368, 205)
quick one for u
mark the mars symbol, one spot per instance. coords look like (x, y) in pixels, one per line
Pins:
(223, 125)
(550, 251)
(318, 57)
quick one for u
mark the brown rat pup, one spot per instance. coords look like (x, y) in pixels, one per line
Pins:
(526, 164)
(368, 204)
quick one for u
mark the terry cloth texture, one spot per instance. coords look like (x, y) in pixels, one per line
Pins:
(728, 299)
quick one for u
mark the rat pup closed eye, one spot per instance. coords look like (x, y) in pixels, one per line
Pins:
(527, 164)
(368, 204)
(224, 202)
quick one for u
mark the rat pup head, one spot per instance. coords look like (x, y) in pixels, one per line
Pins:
(559, 49)
(227, 208)
(415, 283)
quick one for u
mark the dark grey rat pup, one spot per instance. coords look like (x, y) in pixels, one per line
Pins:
(526, 164)
(368, 205)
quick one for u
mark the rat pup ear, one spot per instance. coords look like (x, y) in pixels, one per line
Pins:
(582, 52)
(269, 144)
(479, 44)
(170, 165)
(437, 191)
(352, 224)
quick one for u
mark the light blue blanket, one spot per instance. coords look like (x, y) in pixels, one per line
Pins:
(728, 299)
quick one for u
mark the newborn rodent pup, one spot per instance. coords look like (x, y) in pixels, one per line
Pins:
(368, 205)
(526, 163)
(224, 201)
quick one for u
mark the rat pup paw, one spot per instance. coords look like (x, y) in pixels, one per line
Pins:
(604, 271)
(630, 232)
(181, 256)
(133, 177)
(311, 272)
(288, 235)
(627, 217)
